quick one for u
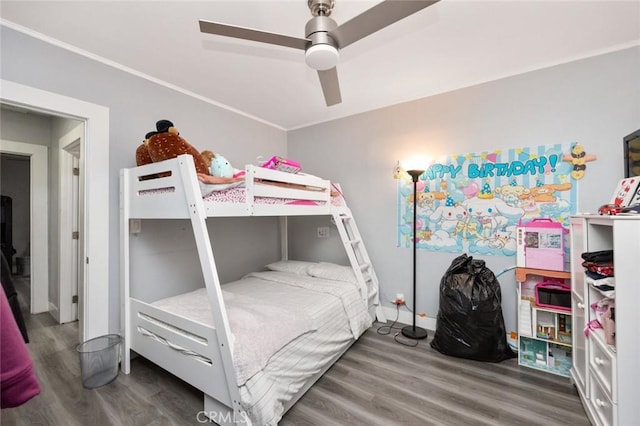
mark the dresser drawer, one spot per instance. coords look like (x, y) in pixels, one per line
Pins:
(600, 402)
(603, 364)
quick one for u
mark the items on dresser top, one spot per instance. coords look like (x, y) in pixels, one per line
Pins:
(626, 191)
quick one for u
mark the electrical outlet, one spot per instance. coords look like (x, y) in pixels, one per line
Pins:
(399, 300)
(323, 232)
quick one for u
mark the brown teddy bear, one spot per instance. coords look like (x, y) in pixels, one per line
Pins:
(166, 143)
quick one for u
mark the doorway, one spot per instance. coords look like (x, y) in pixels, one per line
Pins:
(93, 298)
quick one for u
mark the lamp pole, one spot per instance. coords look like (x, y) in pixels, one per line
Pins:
(411, 331)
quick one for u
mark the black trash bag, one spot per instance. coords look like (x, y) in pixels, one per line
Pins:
(470, 322)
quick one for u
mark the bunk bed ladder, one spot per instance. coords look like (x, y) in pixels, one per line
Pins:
(359, 259)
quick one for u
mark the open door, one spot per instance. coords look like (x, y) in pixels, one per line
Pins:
(70, 226)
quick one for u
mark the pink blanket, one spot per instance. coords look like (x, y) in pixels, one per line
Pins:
(18, 382)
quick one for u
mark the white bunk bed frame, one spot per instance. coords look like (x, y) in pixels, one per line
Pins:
(178, 196)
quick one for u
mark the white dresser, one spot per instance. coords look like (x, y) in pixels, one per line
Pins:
(607, 377)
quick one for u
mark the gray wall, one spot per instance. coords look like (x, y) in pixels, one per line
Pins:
(593, 101)
(135, 105)
(25, 127)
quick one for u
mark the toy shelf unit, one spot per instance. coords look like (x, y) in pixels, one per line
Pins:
(605, 370)
(545, 325)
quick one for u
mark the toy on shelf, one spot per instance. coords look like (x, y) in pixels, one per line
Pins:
(625, 192)
(554, 295)
(609, 209)
(544, 320)
(540, 245)
(546, 330)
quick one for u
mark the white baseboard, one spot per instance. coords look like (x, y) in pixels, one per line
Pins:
(405, 317)
(54, 312)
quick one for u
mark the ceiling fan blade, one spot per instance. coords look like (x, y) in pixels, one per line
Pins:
(253, 35)
(374, 19)
(330, 86)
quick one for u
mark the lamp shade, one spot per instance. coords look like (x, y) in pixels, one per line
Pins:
(415, 174)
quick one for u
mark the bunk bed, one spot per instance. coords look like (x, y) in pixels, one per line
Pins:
(230, 340)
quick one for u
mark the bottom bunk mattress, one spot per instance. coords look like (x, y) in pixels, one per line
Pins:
(286, 328)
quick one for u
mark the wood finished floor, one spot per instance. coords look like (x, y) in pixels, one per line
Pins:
(377, 382)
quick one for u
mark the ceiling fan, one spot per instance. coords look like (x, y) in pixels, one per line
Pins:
(324, 38)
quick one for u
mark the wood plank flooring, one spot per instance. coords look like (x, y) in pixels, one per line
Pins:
(377, 382)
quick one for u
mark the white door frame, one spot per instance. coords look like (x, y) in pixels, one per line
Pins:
(38, 219)
(94, 182)
(67, 273)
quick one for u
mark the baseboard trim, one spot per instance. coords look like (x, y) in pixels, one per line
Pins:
(406, 317)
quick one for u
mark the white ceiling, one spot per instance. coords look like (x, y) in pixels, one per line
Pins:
(449, 45)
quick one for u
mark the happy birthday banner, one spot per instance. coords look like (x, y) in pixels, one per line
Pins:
(472, 202)
(491, 168)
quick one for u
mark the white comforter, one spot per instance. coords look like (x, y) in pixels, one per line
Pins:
(286, 328)
(260, 325)
(353, 305)
(255, 338)
(265, 395)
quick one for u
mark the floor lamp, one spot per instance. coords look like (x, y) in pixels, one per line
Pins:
(411, 331)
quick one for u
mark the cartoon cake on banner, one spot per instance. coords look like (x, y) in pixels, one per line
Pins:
(472, 203)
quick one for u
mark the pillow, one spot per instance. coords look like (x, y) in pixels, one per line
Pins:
(297, 267)
(333, 272)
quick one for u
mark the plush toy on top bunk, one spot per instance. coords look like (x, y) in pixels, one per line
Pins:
(219, 167)
(143, 157)
(166, 143)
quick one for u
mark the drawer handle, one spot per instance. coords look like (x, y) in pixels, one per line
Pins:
(599, 361)
(580, 305)
(600, 403)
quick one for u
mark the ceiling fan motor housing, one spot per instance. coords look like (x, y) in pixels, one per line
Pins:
(322, 54)
(321, 7)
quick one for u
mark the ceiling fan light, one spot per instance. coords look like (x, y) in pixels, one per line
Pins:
(321, 57)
